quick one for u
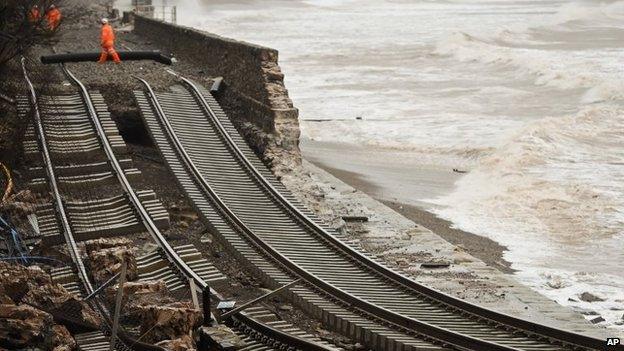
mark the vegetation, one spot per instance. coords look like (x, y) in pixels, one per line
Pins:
(20, 29)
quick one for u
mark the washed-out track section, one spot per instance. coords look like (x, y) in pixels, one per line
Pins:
(81, 166)
(87, 153)
(73, 277)
(280, 239)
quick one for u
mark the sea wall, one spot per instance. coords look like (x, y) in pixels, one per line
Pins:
(253, 94)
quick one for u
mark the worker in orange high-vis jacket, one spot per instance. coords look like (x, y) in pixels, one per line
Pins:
(53, 16)
(34, 15)
(107, 40)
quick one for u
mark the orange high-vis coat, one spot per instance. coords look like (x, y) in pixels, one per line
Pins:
(54, 18)
(107, 41)
(34, 14)
(107, 37)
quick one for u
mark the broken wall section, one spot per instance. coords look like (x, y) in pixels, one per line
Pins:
(254, 94)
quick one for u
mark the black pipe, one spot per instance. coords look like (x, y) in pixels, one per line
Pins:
(94, 56)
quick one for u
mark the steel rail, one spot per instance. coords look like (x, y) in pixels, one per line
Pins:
(170, 253)
(291, 340)
(61, 211)
(531, 328)
(443, 336)
(58, 200)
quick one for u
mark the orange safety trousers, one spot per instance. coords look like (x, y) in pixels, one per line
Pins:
(109, 51)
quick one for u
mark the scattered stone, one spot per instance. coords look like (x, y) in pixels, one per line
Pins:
(589, 313)
(55, 297)
(61, 339)
(24, 327)
(556, 283)
(589, 297)
(106, 262)
(185, 343)
(597, 320)
(285, 307)
(206, 238)
(143, 287)
(107, 243)
(167, 322)
(16, 280)
(219, 337)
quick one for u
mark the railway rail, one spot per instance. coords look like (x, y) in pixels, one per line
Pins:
(281, 240)
(78, 264)
(89, 133)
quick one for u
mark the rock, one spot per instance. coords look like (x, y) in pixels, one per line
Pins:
(21, 203)
(106, 262)
(61, 339)
(219, 336)
(589, 297)
(556, 283)
(106, 243)
(597, 320)
(167, 322)
(24, 326)
(56, 297)
(285, 307)
(4, 300)
(185, 343)
(16, 280)
(188, 216)
(206, 238)
(144, 287)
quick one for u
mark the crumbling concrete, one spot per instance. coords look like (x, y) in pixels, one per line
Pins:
(253, 92)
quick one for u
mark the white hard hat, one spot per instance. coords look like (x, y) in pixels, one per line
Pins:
(104, 20)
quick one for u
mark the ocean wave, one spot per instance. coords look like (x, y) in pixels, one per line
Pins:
(557, 182)
(591, 12)
(544, 66)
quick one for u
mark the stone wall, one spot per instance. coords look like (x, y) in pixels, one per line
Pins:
(254, 94)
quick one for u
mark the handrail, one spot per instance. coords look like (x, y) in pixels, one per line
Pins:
(442, 335)
(481, 312)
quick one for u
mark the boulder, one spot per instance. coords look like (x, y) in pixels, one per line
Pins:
(106, 243)
(16, 280)
(185, 343)
(106, 262)
(24, 326)
(167, 322)
(56, 297)
(141, 293)
(589, 297)
(61, 339)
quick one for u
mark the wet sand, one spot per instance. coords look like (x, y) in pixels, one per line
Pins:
(374, 171)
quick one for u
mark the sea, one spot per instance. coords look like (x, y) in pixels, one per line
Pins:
(526, 97)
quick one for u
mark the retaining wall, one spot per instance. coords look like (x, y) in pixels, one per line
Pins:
(254, 94)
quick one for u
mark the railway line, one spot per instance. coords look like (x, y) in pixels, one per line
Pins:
(77, 144)
(280, 240)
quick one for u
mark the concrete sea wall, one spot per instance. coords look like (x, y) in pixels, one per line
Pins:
(254, 94)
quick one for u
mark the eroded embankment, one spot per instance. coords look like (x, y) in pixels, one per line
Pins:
(253, 93)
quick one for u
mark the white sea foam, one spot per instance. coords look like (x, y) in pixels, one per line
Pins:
(526, 94)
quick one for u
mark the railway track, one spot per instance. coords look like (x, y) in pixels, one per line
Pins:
(89, 134)
(78, 268)
(281, 240)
